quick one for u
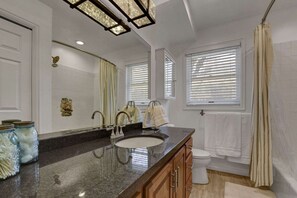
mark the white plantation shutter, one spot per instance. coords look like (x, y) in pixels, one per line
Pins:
(213, 77)
(169, 68)
(137, 83)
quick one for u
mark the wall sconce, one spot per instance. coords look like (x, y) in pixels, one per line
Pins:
(140, 12)
(55, 61)
(96, 11)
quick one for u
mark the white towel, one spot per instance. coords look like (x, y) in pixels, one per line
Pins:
(228, 134)
(138, 115)
(148, 118)
(159, 116)
(154, 116)
(210, 135)
(134, 113)
(246, 137)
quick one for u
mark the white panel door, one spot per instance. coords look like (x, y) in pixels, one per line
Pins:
(15, 71)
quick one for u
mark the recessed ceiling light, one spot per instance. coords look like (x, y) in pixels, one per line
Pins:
(79, 42)
(81, 194)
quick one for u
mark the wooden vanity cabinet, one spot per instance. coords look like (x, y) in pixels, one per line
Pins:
(179, 170)
(174, 180)
(137, 195)
(161, 185)
(188, 167)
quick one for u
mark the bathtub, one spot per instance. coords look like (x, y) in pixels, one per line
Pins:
(284, 184)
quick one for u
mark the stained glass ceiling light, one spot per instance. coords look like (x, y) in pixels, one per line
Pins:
(95, 10)
(140, 12)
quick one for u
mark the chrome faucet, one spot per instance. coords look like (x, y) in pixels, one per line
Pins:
(119, 113)
(117, 133)
(103, 119)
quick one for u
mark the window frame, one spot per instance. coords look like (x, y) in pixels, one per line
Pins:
(241, 74)
(173, 82)
(131, 64)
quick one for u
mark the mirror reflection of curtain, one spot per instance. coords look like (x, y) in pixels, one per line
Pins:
(108, 90)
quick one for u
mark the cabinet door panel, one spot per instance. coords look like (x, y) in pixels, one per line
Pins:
(189, 145)
(188, 188)
(160, 185)
(179, 166)
(189, 164)
(137, 195)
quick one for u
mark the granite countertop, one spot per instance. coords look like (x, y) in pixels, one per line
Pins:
(95, 168)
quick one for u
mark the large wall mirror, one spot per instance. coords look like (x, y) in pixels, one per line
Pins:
(75, 81)
(75, 75)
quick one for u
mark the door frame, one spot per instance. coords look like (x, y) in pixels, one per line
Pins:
(39, 57)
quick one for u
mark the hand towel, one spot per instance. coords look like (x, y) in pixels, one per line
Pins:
(228, 134)
(133, 112)
(246, 139)
(137, 115)
(210, 135)
(122, 117)
(148, 118)
(160, 117)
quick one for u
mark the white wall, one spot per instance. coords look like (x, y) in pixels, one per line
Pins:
(283, 100)
(75, 78)
(284, 28)
(37, 16)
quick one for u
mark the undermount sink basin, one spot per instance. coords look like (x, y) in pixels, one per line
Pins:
(139, 142)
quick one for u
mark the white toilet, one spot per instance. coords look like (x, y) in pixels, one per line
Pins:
(201, 159)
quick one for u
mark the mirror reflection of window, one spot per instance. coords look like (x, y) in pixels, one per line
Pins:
(140, 159)
(137, 83)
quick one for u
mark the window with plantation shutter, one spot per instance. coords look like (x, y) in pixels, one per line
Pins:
(169, 68)
(165, 75)
(213, 77)
(137, 82)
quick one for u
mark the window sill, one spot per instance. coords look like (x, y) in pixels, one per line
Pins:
(223, 107)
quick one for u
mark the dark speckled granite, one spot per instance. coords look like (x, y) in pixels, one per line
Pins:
(57, 140)
(94, 168)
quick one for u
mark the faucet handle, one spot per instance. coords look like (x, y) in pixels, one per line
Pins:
(117, 133)
(112, 135)
(109, 127)
(121, 131)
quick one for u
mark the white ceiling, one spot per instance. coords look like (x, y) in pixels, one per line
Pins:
(207, 13)
(172, 26)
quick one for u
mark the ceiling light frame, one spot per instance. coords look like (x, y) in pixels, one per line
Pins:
(142, 7)
(105, 10)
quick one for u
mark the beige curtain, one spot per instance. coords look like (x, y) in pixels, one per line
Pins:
(108, 90)
(261, 162)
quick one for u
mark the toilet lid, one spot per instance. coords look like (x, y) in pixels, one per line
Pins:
(197, 153)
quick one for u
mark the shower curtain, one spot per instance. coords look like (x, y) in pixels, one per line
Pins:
(261, 159)
(108, 90)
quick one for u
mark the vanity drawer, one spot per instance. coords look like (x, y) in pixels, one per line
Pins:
(189, 164)
(189, 145)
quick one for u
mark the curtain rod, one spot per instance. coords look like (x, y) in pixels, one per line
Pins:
(267, 11)
(61, 43)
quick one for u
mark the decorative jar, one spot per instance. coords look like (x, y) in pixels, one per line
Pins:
(9, 152)
(11, 121)
(28, 139)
